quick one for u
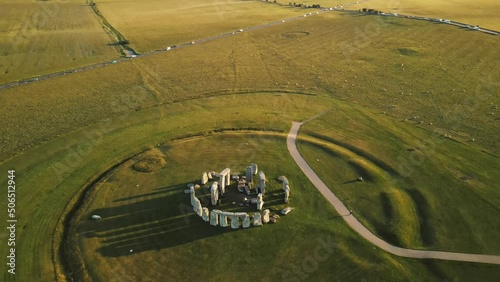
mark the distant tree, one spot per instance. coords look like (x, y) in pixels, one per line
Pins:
(364, 10)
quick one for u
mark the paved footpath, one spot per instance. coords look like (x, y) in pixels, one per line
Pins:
(360, 228)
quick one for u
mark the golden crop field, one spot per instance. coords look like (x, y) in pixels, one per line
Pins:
(150, 25)
(480, 12)
(405, 68)
(47, 36)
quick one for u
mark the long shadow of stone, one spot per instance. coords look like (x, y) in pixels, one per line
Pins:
(158, 191)
(350, 181)
(157, 220)
(151, 224)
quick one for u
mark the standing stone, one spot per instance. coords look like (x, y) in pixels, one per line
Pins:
(225, 179)
(257, 219)
(205, 214)
(223, 219)
(198, 208)
(204, 178)
(246, 221)
(209, 175)
(255, 168)
(262, 182)
(214, 217)
(192, 195)
(260, 202)
(249, 174)
(265, 217)
(235, 221)
(247, 190)
(287, 193)
(228, 177)
(214, 193)
(222, 182)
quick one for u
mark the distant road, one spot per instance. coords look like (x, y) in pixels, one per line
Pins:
(166, 49)
(360, 228)
(215, 37)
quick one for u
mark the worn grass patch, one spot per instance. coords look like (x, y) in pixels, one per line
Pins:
(152, 161)
(407, 52)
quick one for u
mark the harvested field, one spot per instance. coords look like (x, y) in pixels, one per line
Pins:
(48, 36)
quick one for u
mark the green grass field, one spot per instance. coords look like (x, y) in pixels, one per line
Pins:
(40, 37)
(145, 213)
(71, 161)
(430, 84)
(397, 197)
(395, 87)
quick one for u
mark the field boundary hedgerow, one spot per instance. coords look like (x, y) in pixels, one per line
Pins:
(129, 53)
(125, 49)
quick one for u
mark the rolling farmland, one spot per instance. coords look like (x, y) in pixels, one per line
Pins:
(44, 37)
(413, 109)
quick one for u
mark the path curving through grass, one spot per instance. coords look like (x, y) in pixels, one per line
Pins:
(360, 228)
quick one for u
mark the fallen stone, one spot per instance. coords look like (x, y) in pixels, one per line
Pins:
(286, 210)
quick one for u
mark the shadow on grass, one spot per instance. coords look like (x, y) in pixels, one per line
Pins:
(351, 181)
(427, 231)
(384, 229)
(159, 191)
(153, 221)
